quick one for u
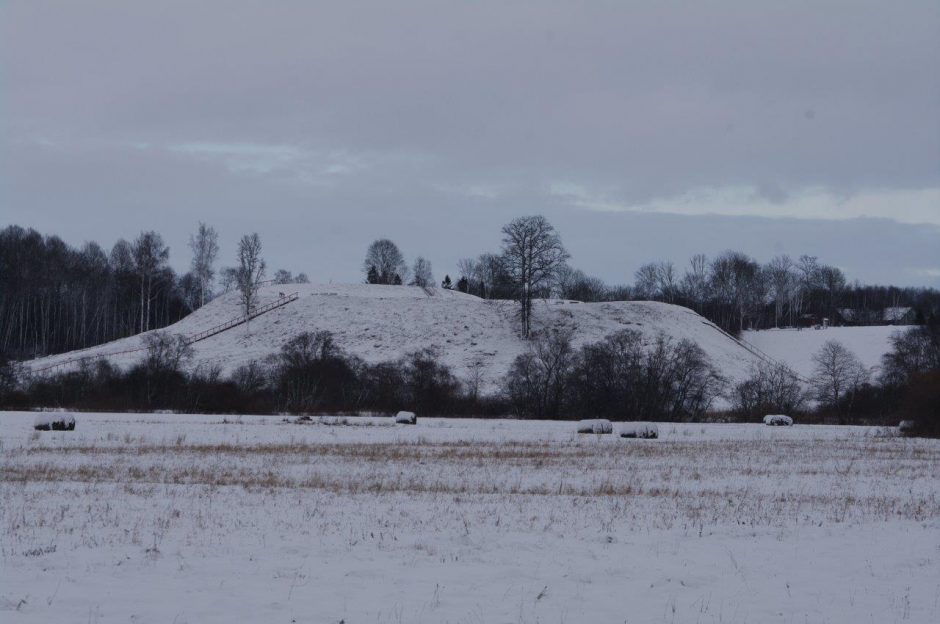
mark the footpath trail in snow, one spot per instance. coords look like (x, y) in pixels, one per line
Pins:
(380, 323)
(162, 518)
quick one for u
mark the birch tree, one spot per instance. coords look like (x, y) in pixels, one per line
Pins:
(250, 270)
(205, 246)
(423, 275)
(150, 257)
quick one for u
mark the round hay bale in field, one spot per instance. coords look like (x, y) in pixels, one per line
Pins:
(54, 422)
(645, 431)
(406, 418)
(907, 426)
(777, 420)
(595, 425)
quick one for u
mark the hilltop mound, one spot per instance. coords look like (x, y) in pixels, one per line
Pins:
(379, 323)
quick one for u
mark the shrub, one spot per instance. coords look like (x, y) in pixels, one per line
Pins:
(538, 380)
(622, 379)
(912, 352)
(921, 403)
(430, 387)
(837, 378)
(772, 388)
(312, 373)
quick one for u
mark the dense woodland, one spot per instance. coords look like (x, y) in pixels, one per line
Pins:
(732, 290)
(55, 297)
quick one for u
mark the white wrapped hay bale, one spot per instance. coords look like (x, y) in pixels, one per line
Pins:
(777, 420)
(907, 426)
(406, 418)
(53, 421)
(647, 431)
(595, 425)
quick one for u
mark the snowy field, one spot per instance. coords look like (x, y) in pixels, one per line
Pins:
(181, 518)
(796, 348)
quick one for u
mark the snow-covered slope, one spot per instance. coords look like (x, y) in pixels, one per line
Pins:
(795, 347)
(380, 323)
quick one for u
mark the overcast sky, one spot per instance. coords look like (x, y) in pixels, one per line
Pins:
(644, 131)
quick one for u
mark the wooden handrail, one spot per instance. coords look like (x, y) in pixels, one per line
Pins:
(190, 339)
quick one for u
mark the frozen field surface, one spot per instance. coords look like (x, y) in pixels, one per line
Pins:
(181, 518)
(796, 348)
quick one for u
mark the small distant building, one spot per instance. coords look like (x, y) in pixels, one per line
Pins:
(888, 316)
(847, 316)
(899, 316)
(808, 320)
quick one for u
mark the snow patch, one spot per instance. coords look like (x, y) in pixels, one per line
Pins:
(406, 418)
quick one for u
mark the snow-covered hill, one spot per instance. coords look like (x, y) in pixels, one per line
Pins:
(380, 323)
(795, 347)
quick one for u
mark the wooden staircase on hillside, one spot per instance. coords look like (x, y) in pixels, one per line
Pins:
(190, 339)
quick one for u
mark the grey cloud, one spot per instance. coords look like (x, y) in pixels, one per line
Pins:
(326, 123)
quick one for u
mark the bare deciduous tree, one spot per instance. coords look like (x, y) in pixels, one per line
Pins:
(646, 282)
(468, 268)
(574, 284)
(695, 281)
(532, 254)
(782, 281)
(384, 263)
(166, 352)
(737, 282)
(838, 374)
(423, 276)
(666, 278)
(832, 280)
(250, 270)
(772, 388)
(150, 257)
(205, 247)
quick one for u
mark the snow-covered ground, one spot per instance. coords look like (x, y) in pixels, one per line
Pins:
(182, 518)
(379, 323)
(796, 347)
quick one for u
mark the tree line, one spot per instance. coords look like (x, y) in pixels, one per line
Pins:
(618, 377)
(55, 297)
(844, 391)
(737, 292)
(733, 290)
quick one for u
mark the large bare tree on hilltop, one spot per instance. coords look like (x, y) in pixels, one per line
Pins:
(532, 256)
(384, 263)
(250, 270)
